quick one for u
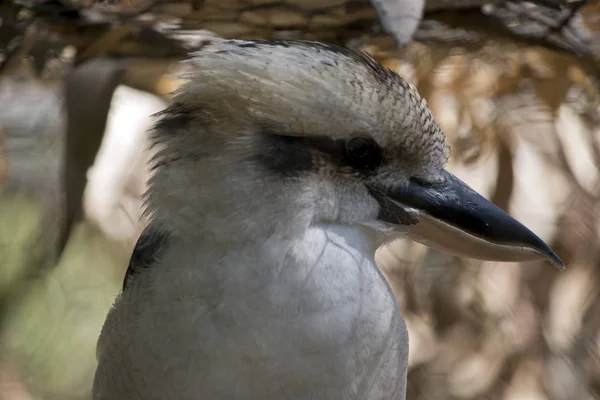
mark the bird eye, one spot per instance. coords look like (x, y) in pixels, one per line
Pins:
(363, 153)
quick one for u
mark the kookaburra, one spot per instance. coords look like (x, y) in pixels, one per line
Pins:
(281, 167)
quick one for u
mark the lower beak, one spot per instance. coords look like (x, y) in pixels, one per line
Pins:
(451, 217)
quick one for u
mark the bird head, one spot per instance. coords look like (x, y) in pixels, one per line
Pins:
(276, 135)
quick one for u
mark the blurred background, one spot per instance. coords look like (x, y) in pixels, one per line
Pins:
(513, 84)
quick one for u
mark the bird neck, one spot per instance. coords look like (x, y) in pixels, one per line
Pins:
(238, 268)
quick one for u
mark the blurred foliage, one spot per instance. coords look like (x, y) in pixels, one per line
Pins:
(52, 318)
(52, 323)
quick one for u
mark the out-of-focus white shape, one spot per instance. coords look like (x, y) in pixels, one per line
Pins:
(568, 301)
(475, 373)
(458, 124)
(394, 260)
(483, 79)
(400, 18)
(564, 379)
(499, 286)
(525, 384)
(481, 174)
(577, 146)
(68, 53)
(445, 107)
(116, 181)
(449, 71)
(464, 293)
(401, 253)
(423, 343)
(521, 327)
(407, 71)
(540, 187)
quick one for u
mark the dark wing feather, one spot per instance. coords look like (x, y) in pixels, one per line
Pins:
(149, 247)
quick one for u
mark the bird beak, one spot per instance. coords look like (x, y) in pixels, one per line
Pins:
(450, 216)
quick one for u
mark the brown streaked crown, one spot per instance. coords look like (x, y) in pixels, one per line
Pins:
(302, 88)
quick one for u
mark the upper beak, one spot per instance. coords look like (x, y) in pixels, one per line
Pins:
(452, 217)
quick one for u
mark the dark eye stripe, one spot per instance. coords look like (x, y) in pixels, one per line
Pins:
(284, 155)
(291, 155)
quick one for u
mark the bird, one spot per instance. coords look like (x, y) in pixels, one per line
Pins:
(280, 167)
